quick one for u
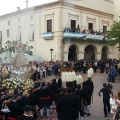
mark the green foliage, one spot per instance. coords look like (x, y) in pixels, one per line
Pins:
(11, 46)
(114, 33)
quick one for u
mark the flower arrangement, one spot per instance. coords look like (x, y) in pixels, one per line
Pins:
(20, 84)
(28, 85)
(12, 83)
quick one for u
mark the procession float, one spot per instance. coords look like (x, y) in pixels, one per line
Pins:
(18, 75)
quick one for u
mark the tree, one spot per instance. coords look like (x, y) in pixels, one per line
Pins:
(114, 34)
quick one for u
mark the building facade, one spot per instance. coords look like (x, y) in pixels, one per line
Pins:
(43, 27)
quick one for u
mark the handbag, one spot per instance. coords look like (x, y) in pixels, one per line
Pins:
(5, 108)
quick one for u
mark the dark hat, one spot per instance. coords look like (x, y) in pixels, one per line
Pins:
(26, 108)
(32, 109)
(4, 89)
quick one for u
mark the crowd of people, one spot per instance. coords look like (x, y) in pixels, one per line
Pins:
(78, 30)
(68, 101)
(71, 102)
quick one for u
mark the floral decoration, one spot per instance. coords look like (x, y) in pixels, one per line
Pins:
(20, 84)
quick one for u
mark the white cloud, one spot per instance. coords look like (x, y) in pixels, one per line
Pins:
(7, 6)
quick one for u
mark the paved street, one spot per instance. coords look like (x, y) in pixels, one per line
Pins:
(97, 106)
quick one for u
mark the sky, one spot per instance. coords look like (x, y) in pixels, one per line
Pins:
(7, 6)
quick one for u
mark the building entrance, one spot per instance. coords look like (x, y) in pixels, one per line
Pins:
(90, 51)
(72, 55)
(104, 52)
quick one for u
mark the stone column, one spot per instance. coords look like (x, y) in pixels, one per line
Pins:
(65, 55)
(98, 55)
(60, 33)
(81, 55)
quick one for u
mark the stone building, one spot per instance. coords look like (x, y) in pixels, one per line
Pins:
(73, 29)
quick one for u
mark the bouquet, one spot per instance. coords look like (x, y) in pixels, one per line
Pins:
(19, 83)
(13, 83)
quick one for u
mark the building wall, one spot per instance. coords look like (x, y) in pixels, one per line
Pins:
(116, 10)
(61, 15)
(99, 5)
(84, 17)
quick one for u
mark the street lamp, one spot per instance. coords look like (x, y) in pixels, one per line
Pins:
(51, 50)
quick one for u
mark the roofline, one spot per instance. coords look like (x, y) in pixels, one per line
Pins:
(30, 9)
(86, 9)
(57, 3)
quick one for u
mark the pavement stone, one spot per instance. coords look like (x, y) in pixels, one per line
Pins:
(97, 105)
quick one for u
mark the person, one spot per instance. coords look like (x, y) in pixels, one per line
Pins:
(56, 83)
(112, 74)
(119, 68)
(67, 106)
(4, 72)
(95, 66)
(106, 98)
(32, 70)
(87, 93)
(84, 67)
(14, 107)
(32, 111)
(25, 114)
(28, 113)
(45, 99)
(80, 95)
(24, 100)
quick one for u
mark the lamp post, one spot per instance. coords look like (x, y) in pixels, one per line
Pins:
(51, 50)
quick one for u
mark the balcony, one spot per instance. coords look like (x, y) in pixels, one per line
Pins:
(48, 35)
(73, 35)
(79, 35)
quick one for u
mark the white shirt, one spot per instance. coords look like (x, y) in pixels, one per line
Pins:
(57, 80)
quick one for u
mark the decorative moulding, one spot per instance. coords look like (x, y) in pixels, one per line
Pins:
(93, 19)
(109, 1)
(50, 14)
(73, 15)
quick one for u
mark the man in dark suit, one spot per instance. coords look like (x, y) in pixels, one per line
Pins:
(57, 81)
(88, 88)
(26, 113)
(14, 107)
(80, 95)
(56, 84)
(67, 106)
(24, 100)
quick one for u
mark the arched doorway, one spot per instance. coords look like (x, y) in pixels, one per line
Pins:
(90, 51)
(104, 52)
(72, 55)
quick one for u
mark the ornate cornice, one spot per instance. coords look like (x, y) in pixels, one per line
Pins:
(56, 4)
(111, 1)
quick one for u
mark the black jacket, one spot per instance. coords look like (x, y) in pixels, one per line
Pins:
(15, 109)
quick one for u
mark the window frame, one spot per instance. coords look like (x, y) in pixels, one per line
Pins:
(8, 32)
(49, 25)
